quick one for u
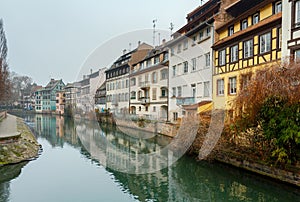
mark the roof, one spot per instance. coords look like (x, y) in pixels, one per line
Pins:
(199, 15)
(53, 83)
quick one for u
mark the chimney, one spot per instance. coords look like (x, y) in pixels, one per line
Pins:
(139, 43)
(163, 41)
(91, 71)
(124, 51)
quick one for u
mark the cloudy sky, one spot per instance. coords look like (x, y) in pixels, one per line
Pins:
(57, 38)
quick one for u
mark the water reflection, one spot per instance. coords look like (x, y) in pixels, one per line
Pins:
(186, 180)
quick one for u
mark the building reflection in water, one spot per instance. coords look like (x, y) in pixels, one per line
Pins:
(186, 180)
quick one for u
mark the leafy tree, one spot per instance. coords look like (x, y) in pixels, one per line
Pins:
(280, 122)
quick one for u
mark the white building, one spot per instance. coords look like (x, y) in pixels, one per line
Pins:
(117, 79)
(190, 68)
(291, 29)
(87, 90)
(149, 85)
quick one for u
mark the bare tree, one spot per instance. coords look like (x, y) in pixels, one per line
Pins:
(4, 73)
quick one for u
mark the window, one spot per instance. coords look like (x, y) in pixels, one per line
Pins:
(220, 87)
(166, 56)
(140, 108)
(172, 51)
(194, 40)
(297, 56)
(154, 77)
(175, 116)
(163, 92)
(248, 48)
(193, 86)
(206, 89)
(185, 67)
(231, 30)
(126, 83)
(194, 63)
(255, 18)
(277, 7)
(234, 53)
(208, 31)
(232, 85)
(132, 82)
(174, 91)
(207, 59)
(279, 38)
(154, 109)
(148, 63)
(174, 70)
(185, 44)
(156, 60)
(265, 43)
(179, 91)
(179, 48)
(297, 14)
(222, 56)
(200, 35)
(244, 24)
(163, 74)
(153, 93)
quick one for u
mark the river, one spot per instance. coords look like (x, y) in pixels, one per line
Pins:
(80, 162)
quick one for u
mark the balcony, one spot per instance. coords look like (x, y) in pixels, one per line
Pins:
(144, 85)
(144, 100)
(185, 101)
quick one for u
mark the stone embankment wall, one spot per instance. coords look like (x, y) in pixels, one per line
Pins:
(22, 148)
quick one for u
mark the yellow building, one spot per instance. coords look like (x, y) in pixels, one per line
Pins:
(247, 38)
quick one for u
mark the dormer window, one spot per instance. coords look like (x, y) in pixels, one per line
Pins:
(231, 30)
(244, 24)
(277, 7)
(255, 18)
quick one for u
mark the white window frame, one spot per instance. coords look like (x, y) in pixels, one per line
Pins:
(244, 24)
(255, 18)
(222, 57)
(234, 53)
(265, 43)
(232, 86)
(207, 59)
(185, 67)
(194, 64)
(297, 14)
(278, 7)
(248, 48)
(220, 87)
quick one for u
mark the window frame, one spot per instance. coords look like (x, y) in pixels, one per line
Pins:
(253, 17)
(222, 59)
(230, 30)
(232, 85)
(235, 52)
(250, 49)
(220, 87)
(266, 46)
(244, 24)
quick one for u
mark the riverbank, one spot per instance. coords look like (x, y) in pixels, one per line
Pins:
(242, 151)
(18, 146)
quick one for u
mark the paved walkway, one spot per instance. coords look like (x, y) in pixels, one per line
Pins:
(8, 127)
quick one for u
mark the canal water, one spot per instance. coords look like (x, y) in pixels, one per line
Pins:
(75, 165)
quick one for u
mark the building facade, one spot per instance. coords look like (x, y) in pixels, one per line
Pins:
(291, 30)
(190, 65)
(247, 38)
(100, 98)
(45, 98)
(149, 85)
(60, 102)
(117, 79)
